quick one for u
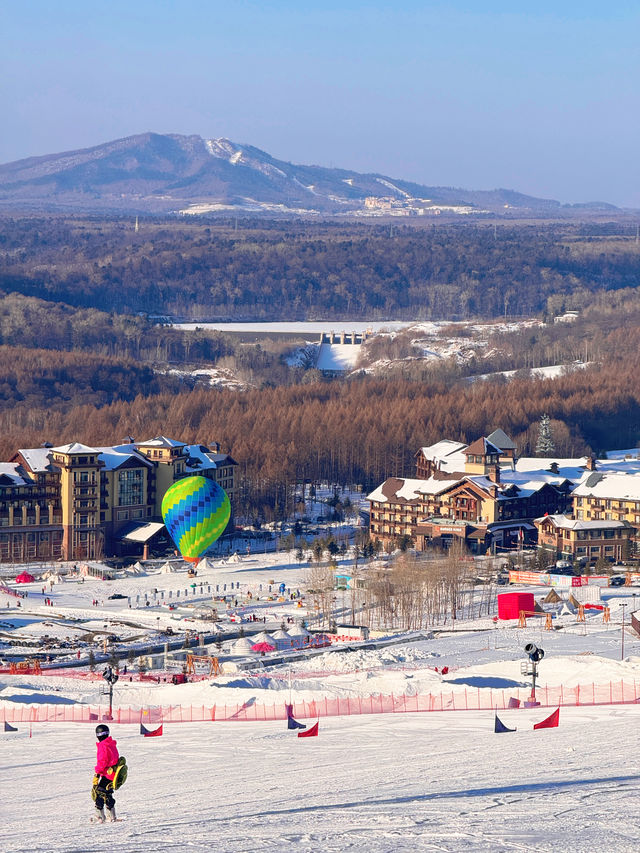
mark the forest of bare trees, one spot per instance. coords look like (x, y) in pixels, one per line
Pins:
(264, 270)
(360, 432)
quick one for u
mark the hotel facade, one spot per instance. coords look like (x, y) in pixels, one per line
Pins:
(79, 502)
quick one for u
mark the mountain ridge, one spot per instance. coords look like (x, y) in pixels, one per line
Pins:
(175, 173)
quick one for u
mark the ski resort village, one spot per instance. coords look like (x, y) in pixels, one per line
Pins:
(450, 662)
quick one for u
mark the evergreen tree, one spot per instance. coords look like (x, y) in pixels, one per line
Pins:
(545, 445)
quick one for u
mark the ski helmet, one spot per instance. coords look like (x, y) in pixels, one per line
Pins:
(102, 732)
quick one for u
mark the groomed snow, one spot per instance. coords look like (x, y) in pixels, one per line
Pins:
(393, 784)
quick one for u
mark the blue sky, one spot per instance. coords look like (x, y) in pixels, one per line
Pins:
(540, 97)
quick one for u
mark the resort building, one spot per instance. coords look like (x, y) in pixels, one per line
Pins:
(79, 502)
(485, 495)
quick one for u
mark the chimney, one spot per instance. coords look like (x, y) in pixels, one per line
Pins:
(554, 468)
(214, 446)
(494, 474)
(591, 463)
(128, 439)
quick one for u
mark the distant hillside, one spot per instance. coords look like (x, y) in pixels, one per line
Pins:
(166, 173)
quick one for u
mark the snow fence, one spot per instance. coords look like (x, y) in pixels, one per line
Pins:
(469, 699)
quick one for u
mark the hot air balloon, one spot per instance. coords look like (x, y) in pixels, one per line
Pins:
(195, 511)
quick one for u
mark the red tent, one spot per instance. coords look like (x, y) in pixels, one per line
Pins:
(511, 603)
(25, 577)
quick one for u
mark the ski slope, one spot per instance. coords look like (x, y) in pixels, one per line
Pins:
(425, 782)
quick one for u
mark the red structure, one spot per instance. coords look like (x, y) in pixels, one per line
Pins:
(511, 603)
(25, 577)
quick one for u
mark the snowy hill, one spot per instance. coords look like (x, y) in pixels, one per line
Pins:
(170, 172)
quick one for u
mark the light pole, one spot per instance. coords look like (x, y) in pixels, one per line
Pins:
(622, 653)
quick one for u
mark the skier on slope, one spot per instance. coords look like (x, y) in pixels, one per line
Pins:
(107, 758)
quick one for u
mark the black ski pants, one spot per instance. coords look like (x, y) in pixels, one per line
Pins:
(103, 795)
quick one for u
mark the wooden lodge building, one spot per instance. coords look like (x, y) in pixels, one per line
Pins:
(486, 496)
(79, 502)
(473, 492)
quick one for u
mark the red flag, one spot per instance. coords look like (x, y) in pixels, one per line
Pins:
(551, 722)
(312, 732)
(155, 733)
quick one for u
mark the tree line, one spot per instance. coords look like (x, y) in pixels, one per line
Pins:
(200, 270)
(357, 432)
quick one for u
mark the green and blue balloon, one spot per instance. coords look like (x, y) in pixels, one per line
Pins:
(195, 511)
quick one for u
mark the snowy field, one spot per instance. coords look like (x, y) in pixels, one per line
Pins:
(382, 783)
(386, 784)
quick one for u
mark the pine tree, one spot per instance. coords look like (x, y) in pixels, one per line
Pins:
(545, 445)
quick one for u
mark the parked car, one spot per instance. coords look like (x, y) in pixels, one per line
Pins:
(617, 580)
(117, 595)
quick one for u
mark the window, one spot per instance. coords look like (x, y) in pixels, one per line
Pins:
(123, 514)
(130, 483)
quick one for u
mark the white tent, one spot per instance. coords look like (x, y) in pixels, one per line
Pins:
(167, 569)
(263, 637)
(281, 639)
(235, 558)
(298, 631)
(243, 646)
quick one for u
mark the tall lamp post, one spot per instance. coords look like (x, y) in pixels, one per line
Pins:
(622, 653)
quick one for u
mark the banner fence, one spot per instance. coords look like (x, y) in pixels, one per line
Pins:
(470, 699)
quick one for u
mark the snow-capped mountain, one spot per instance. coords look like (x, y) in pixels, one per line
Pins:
(163, 173)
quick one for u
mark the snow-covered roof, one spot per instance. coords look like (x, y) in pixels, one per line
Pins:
(601, 484)
(568, 469)
(442, 449)
(12, 471)
(160, 441)
(482, 446)
(143, 532)
(567, 523)
(37, 458)
(446, 454)
(409, 490)
(200, 458)
(114, 457)
(74, 447)
(518, 488)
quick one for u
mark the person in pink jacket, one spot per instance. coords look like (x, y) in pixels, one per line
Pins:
(107, 758)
